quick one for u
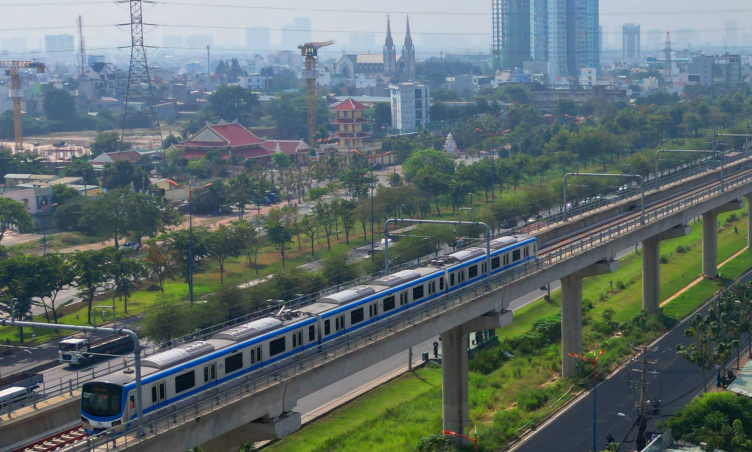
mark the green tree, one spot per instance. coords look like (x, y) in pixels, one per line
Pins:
(382, 115)
(159, 262)
(347, 212)
(90, 268)
(168, 319)
(249, 240)
(310, 226)
(59, 105)
(169, 141)
(81, 168)
(124, 272)
(108, 142)
(234, 103)
(179, 242)
(107, 215)
(337, 268)
(123, 173)
(223, 244)
(279, 235)
(13, 213)
(428, 158)
(700, 351)
(19, 276)
(325, 217)
(57, 275)
(62, 193)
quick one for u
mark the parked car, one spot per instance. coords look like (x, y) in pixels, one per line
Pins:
(130, 246)
(377, 166)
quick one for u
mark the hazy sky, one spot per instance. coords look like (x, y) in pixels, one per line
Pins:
(471, 31)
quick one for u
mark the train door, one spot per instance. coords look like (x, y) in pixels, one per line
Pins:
(159, 394)
(210, 374)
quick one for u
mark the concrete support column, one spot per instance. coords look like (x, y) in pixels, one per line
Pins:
(651, 275)
(454, 388)
(571, 313)
(710, 244)
(651, 267)
(571, 322)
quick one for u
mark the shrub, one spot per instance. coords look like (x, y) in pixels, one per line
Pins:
(433, 443)
(732, 218)
(680, 249)
(532, 399)
(620, 285)
(664, 259)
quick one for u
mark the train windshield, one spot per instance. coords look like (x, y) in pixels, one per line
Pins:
(101, 399)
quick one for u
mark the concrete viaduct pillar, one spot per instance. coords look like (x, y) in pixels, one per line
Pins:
(651, 272)
(710, 238)
(454, 386)
(571, 312)
(749, 219)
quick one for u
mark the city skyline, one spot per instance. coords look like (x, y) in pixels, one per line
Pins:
(468, 29)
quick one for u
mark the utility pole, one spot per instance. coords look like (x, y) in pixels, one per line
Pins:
(642, 422)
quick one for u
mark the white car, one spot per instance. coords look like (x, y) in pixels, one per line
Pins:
(130, 246)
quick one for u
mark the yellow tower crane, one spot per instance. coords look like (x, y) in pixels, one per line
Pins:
(16, 93)
(310, 52)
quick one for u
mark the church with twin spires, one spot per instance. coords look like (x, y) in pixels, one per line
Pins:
(387, 65)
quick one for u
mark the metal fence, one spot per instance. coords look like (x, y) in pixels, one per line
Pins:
(243, 387)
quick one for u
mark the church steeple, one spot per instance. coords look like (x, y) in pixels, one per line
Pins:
(406, 64)
(408, 38)
(390, 52)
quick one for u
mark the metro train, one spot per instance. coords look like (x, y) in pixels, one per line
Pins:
(177, 375)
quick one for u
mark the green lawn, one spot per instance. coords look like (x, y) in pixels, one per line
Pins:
(396, 415)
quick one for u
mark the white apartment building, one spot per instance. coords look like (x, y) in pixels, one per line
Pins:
(411, 106)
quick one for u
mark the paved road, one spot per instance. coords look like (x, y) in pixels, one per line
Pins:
(675, 384)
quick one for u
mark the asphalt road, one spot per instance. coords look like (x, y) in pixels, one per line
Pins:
(675, 382)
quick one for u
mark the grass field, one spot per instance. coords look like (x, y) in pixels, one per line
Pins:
(396, 415)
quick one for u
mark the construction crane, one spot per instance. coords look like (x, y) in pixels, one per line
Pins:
(16, 93)
(310, 52)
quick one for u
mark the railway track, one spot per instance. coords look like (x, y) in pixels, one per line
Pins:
(598, 227)
(56, 441)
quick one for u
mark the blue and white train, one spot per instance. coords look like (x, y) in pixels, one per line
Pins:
(177, 375)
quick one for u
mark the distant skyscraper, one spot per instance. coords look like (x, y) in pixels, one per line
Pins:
(600, 39)
(539, 30)
(747, 39)
(368, 41)
(732, 33)
(13, 45)
(258, 39)
(630, 38)
(199, 42)
(682, 38)
(172, 42)
(296, 33)
(58, 43)
(515, 33)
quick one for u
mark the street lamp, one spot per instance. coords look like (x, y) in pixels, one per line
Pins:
(493, 136)
(624, 416)
(594, 362)
(371, 158)
(44, 224)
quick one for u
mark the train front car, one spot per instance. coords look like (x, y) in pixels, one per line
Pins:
(102, 405)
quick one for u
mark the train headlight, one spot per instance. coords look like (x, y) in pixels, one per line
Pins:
(116, 423)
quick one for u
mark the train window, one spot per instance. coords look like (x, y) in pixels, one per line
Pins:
(311, 333)
(300, 338)
(327, 327)
(132, 402)
(233, 363)
(484, 268)
(370, 311)
(277, 346)
(213, 371)
(472, 272)
(185, 382)
(388, 304)
(417, 293)
(294, 340)
(161, 391)
(356, 316)
(495, 263)
(506, 259)
(526, 252)
(253, 356)
(375, 309)
(403, 298)
(430, 289)
(153, 394)
(258, 354)
(535, 248)
(336, 324)
(342, 322)
(515, 255)
(451, 280)
(206, 374)
(441, 283)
